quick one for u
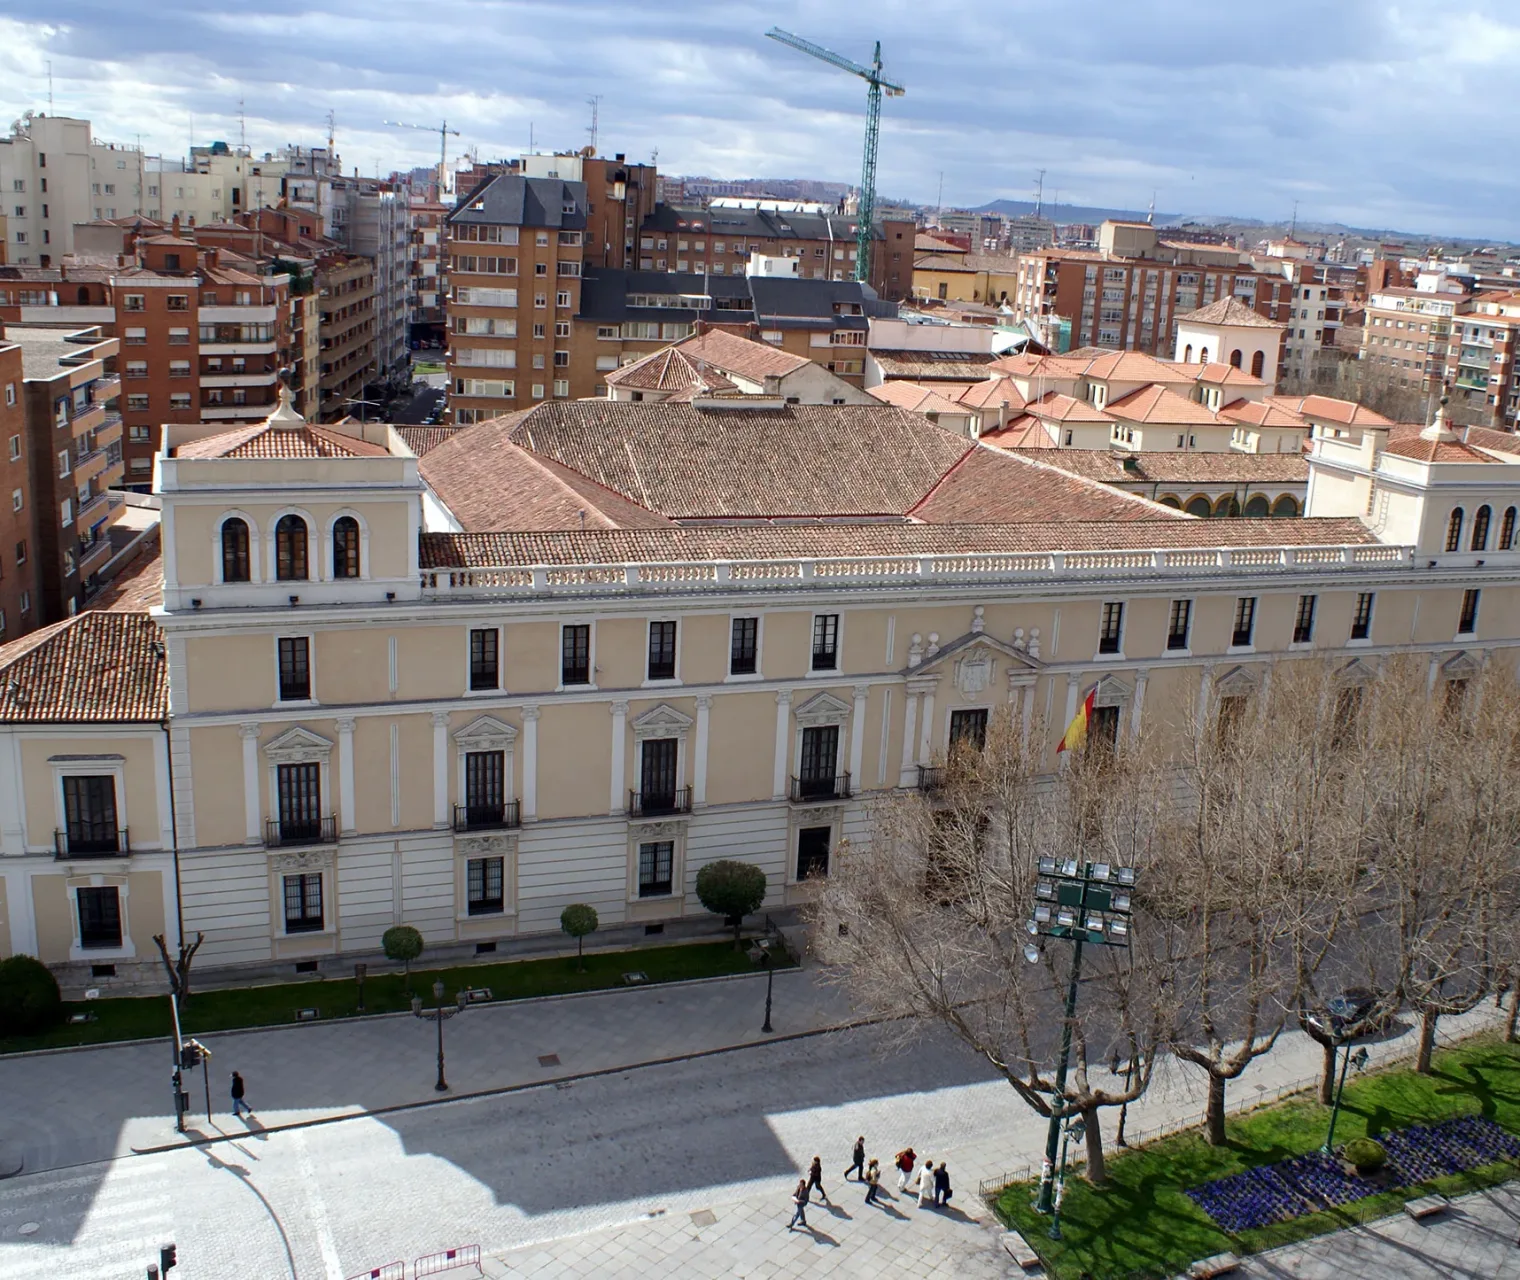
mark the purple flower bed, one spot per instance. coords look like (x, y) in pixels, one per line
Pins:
(1277, 1192)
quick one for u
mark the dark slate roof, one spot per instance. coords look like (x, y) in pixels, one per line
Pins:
(776, 303)
(511, 200)
(757, 223)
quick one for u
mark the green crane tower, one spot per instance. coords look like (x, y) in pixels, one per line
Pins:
(876, 82)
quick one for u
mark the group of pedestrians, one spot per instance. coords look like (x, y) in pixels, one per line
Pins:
(932, 1184)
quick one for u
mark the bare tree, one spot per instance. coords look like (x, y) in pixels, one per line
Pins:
(178, 969)
(926, 925)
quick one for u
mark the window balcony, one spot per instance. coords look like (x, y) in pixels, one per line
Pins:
(488, 817)
(283, 833)
(92, 840)
(804, 790)
(650, 804)
(930, 777)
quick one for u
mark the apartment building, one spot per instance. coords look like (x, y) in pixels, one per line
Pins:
(1129, 292)
(577, 656)
(71, 448)
(427, 271)
(372, 218)
(346, 318)
(721, 238)
(1480, 360)
(18, 568)
(1408, 333)
(619, 196)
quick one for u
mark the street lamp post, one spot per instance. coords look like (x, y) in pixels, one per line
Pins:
(1083, 902)
(770, 975)
(1076, 1129)
(1357, 1060)
(440, 1015)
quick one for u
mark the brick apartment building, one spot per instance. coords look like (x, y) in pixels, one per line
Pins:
(427, 271)
(1128, 293)
(1408, 334)
(1480, 360)
(68, 448)
(720, 239)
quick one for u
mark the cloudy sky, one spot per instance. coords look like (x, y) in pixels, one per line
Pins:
(1369, 112)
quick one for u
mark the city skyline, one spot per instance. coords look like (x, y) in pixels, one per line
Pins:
(1207, 109)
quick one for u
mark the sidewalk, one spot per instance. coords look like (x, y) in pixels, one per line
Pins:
(99, 1103)
(748, 1237)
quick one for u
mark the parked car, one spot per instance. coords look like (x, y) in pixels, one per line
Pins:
(1357, 1011)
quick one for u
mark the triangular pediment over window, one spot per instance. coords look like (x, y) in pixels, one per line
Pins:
(298, 746)
(1112, 692)
(1356, 672)
(486, 733)
(1237, 682)
(1462, 666)
(823, 708)
(663, 721)
(969, 649)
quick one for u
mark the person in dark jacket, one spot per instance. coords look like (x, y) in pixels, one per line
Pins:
(237, 1096)
(942, 1185)
(800, 1200)
(858, 1156)
(815, 1179)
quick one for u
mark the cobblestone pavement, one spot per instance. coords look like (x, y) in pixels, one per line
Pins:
(597, 1177)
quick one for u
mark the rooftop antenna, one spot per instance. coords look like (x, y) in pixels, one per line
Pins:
(1039, 194)
(242, 128)
(595, 101)
(50, 86)
(530, 137)
(939, 199)
(1150, 214)
(1293, 226)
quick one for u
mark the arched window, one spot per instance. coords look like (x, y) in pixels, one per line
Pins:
(290, 549)
(1258, 363)
(345, 547)
(1287, 505)
(1170, 501)
(1481, 517)
(1258, 507)
(1235, 358)
(1187, 354)
(1227, 506)
(1199, 506)
(1507, 530)
(1203, 356)
(235, 566)
(84, 296)
(1454, 530)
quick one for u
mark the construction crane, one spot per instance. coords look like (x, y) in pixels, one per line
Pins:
(866, 213)
(443, 131)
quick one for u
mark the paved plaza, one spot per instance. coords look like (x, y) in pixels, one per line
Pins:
(664, 1140)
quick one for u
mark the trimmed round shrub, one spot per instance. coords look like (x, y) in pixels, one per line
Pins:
(579, 919)
(1366, 1154)
(402, 942)
(29, 999)
(732, 890)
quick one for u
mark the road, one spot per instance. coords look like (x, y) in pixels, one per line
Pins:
(504, 1171)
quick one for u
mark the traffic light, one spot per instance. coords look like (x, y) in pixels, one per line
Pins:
(192, 1053)
(168, 1259)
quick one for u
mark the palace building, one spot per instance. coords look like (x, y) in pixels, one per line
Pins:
(573, 654)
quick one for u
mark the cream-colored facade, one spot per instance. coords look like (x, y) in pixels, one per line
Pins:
(467, 732)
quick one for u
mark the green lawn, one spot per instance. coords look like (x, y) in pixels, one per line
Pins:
(426, 366)
(1143, 1225)
(130, 1019)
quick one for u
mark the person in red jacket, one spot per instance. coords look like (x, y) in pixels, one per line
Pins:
(904, 1162)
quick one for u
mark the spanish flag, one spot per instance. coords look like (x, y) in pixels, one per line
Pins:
(1076, 732)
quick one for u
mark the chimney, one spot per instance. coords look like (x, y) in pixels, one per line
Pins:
(772, 384)
(174, 225)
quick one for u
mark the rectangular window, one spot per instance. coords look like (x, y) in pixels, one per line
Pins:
(300, 795)
(89, 814)
(303, 903)
(484, 880)
(575, 653)
(825, 642)
(484, 665)
(485, 788)
(99, 917)
(657, 775)
(1361, 619)
(1179, 625)
(1245, 621)
(562, 388)
(656, 860)
(1468, 622)
(1111, 629)
(820, 759)
(1303, 620)
(295, 669)
(132, 301)
(662, 651)
(813, 852)
(968, 729)
(744, 647)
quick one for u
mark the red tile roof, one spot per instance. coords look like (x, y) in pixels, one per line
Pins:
(96, 667)
(1158, 404)
(1057, 407)
(732, 354)
(1229, 311)
(669, 370)
(1264, 413)
(989, 394)
(916, 398)
(422, 440)
(1346, 413)
(992, 486)
(264, 441)
(1169, 467)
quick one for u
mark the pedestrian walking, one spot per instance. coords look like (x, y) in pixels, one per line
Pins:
(799, 1201)
(815, 1179)
(904, 1162)
(858, 1158)
(237, 1096)
(873, 1181)
(926, 1183)
(942, 1185)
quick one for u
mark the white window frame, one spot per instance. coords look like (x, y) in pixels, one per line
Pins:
(647, 683)
(328, 566)
(311, 669)
(759, 672)
(559, 658)
(501, 659)
(828, 673)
